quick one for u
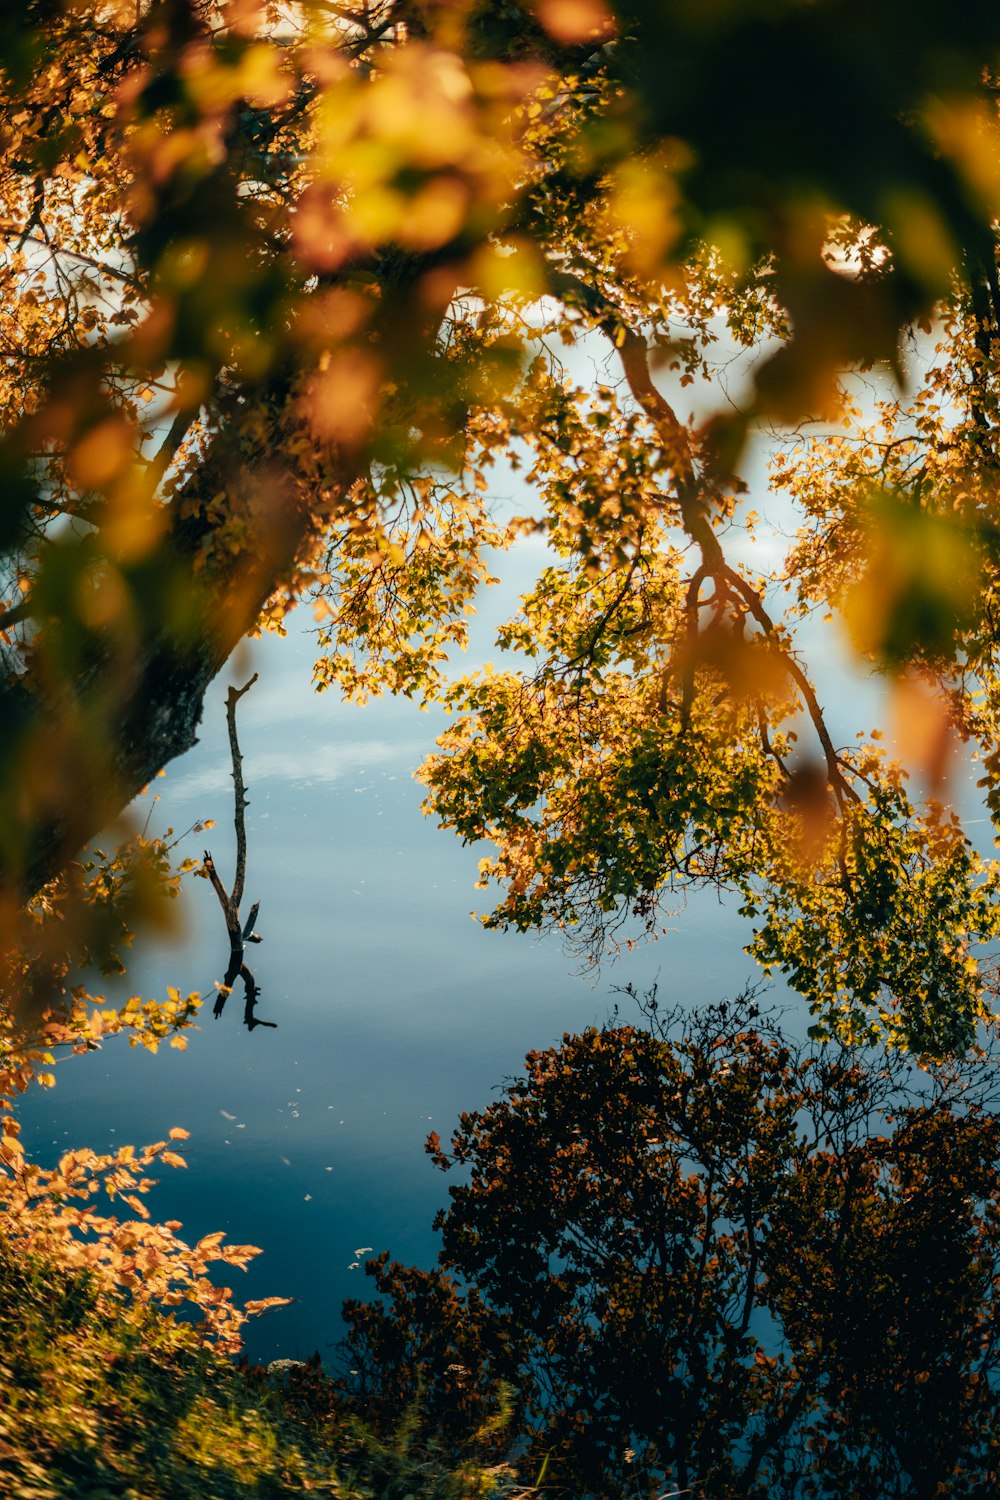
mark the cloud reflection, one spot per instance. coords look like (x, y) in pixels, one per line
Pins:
(305, 764)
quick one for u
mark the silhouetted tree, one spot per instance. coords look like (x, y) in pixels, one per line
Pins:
(711, 1261)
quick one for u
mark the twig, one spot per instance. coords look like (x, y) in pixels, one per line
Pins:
(239, 933)
(233, 697)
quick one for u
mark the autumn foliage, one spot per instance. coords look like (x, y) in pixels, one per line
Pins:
(58, 1215)
(292, 295)
(698, 1254)
(291, 291)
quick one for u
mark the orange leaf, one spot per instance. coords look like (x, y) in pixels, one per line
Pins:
(263, 1304)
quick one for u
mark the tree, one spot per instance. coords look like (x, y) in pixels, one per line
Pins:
(283, 283)
(704, 1258)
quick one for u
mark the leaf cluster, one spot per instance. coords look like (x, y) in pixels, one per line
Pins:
(284, 290)
(99, 1400)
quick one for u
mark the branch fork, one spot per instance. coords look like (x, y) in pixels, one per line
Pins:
(240, 932)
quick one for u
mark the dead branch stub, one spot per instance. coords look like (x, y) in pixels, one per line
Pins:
(240, 933)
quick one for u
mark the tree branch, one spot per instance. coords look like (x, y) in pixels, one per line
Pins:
(164, 455)
(675, 441)
(841, 786)
(220, 891)
(239, 934)
(16, 614)
(233, 697)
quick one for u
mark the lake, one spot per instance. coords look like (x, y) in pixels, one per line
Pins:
(394, 1009)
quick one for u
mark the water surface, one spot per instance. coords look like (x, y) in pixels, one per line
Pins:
(394, 1009)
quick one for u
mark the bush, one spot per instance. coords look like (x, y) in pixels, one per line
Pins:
(103, 1400)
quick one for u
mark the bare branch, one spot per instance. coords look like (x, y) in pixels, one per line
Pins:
(220, 890)
(233, 697)
(249, 936)
(16, 614)
(239, 934)
(164, 455)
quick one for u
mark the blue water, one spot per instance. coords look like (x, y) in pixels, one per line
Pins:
(394, 1009)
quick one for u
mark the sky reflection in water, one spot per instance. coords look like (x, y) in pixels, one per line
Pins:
(395, 1011)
